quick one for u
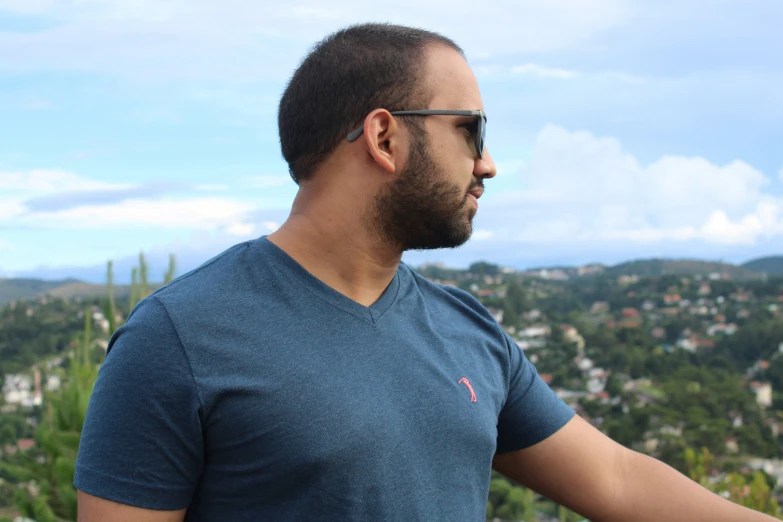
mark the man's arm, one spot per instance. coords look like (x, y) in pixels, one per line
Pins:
(94, 509)
(586, 471)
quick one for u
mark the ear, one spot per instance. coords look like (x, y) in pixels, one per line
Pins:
(383, 138)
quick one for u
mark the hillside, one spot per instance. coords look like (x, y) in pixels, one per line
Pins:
(16, 289)
(13, 289)
(81, 289)
(659, 267)
(772, 265)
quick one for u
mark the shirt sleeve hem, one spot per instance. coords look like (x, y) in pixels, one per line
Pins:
(523, 444)
(130, 492)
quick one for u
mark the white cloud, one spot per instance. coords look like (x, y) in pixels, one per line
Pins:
(194, 213)
(240, 229)
(540, 71)
(212, 188)
(579, 187)
(246, 229)
(53, 180)
(5, 245)
(10, 209)
(267, 181)
(482, 234)
(243, 39)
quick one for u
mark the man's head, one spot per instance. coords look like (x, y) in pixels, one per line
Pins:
(347, 75)
(411, 176)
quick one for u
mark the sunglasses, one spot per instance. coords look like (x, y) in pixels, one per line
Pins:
(480, 116)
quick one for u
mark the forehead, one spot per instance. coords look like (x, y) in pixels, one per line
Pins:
(450, 80)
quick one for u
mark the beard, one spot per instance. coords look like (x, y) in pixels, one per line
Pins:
(421, 210)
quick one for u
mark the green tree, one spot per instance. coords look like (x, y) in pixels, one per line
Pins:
(111, 308)
(566, 515)
(754, 493)
(483, 268)
(135, 293)
(48, 471)
(143, 275)
(168, 276)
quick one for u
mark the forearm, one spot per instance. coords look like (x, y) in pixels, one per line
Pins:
(652, 491)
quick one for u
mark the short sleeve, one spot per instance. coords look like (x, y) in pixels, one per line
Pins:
(141, 443)
(532, 411)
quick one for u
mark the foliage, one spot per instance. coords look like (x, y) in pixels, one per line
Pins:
(45, 474)
(510, 502)
(483, 268)
(698, 393)
(31, 331)
(753, 492)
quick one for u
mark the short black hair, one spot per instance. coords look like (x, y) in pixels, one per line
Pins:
(346, 76)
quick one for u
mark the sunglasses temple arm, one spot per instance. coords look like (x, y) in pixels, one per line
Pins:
(353, 136)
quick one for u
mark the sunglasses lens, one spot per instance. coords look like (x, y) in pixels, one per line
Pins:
(480, 135)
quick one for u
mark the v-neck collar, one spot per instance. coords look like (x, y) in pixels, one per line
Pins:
(292, 268)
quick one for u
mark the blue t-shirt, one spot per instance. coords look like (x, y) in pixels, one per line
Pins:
(249, 390)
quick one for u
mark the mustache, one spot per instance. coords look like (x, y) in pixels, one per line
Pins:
(476, 184)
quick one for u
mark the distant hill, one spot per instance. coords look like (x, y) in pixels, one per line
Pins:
(16, 289)
(13, 289)
(772, 265)
(684, 267)
(81, 289)
(660, 267)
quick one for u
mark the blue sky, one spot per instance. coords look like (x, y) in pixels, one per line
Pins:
(622, 129)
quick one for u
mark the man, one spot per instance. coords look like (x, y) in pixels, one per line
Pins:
(310, 375)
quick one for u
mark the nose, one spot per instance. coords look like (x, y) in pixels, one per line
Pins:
(484, 167)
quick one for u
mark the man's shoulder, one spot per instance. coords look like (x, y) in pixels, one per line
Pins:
(214, 274)
(226, 282)
(451, 296)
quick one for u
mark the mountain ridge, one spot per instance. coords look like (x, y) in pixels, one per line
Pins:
(12, 289)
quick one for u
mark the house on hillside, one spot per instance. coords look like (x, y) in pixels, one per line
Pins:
(497, 314)
(687, 344)
(731, 444)
(670, 311)
(529, 344)
(25, 444)
(571, 335)
(552, 275)
(532, 315)
(763, 391)
(630, 313)
(535, 331)
(721, 328)
(585, 364)
(672, 299)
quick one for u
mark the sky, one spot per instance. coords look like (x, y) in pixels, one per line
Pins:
(622, 129)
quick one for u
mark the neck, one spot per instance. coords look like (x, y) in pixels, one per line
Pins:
(330, 241)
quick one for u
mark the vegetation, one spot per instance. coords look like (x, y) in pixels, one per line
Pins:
(32, 331)
(44, 475)
(772, 265)
(13, 289)
(690, 405)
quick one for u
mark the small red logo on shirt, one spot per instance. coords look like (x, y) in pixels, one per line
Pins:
(466, 382)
